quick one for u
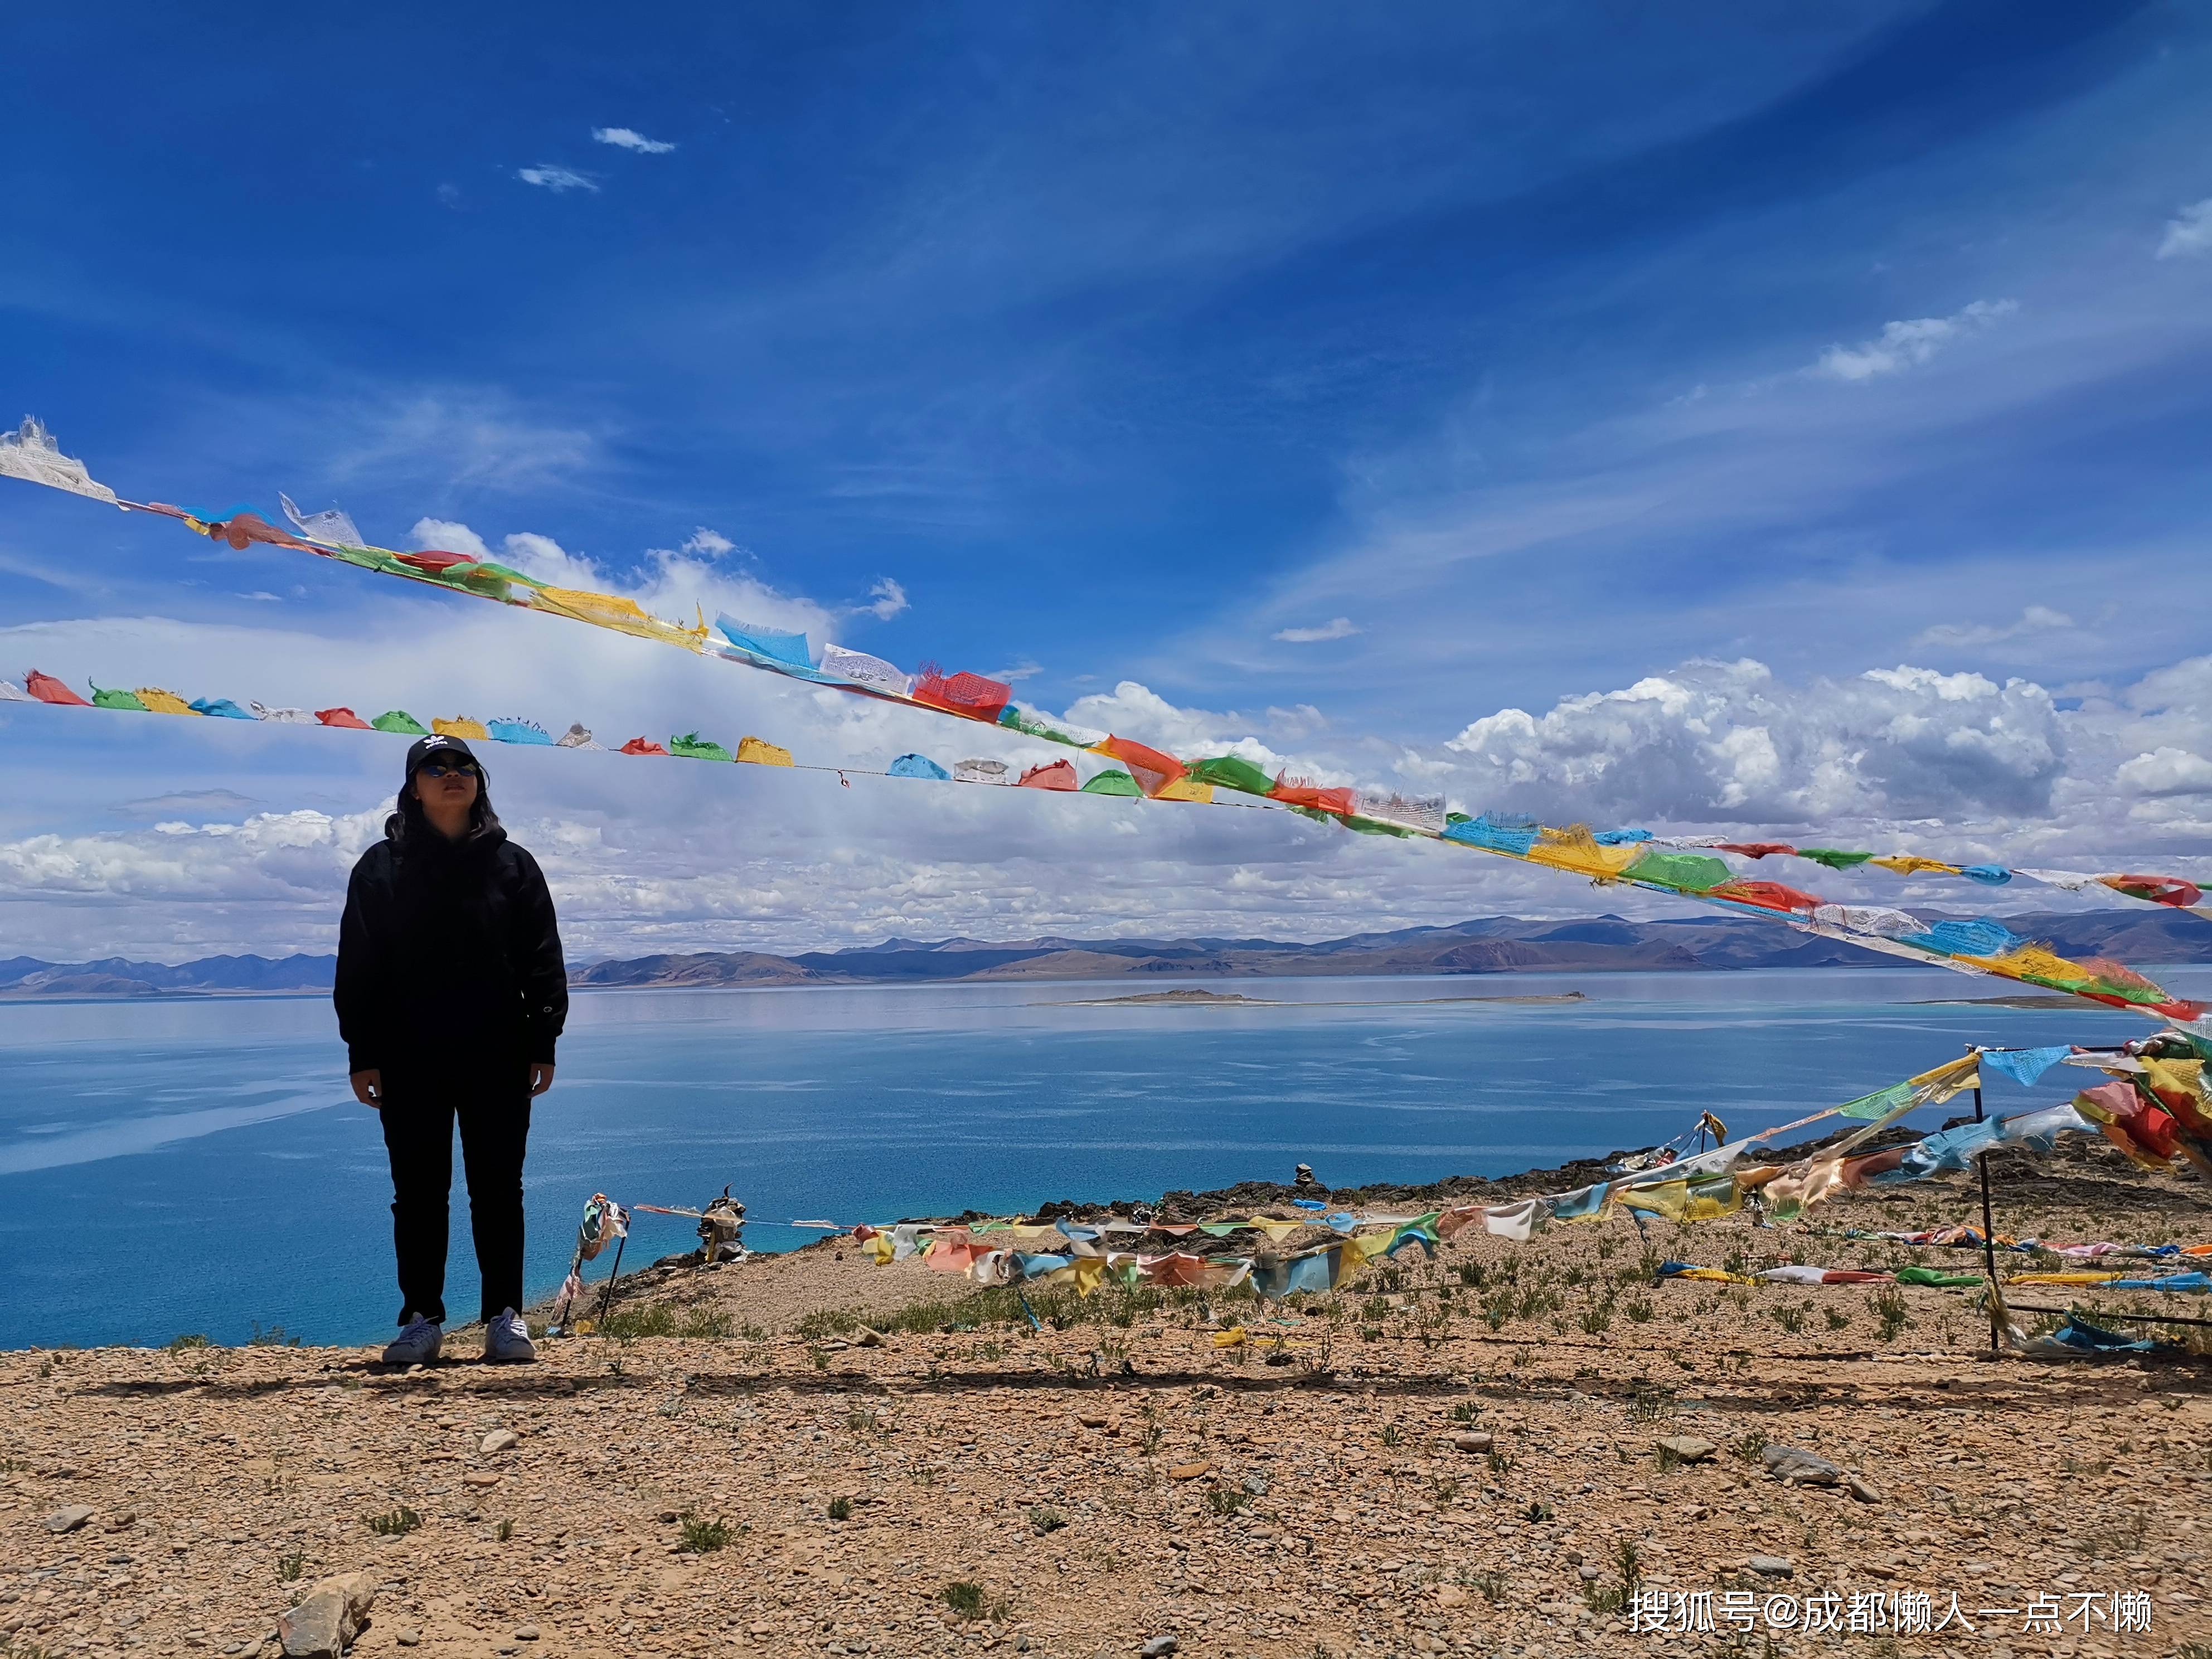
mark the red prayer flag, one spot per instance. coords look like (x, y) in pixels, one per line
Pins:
(1766, 895)
(641, 747)
(1059, 775)
(1754, 849)
(47, 688)
(343, 717)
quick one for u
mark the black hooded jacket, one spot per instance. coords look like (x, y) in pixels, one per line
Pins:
(449, 948)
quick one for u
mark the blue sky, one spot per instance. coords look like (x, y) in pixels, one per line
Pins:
(1341, 385)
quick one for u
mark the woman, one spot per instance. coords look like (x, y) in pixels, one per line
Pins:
(451, 995)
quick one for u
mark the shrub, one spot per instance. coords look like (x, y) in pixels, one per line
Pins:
(963, 1597)
(1045, 1519)
(703, 1537)
(841, 1509)
(394, 1523)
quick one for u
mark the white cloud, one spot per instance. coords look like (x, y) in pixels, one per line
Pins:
(2035, 619)
(629, 138)
(2189, 232)
(1337, 628)
(1725, 741)
(2166, 771)
(546, 176)
(1024, 670)
(464, 436)
(708, 543)
(676, 584)
(1902, 345)
(886, 598)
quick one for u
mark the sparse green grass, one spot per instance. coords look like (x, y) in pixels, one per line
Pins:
(1045, 1519)
(503, 1531)
(1492, 1584)
(394, 1523)
(964, 1597)
(1226, 1500)
(1466, 1411)
(1888, 1305)
(1750, 1446)
(291, 1568)
(184, 1341)
(274, 1337)
(1390, 1437)
(841, 1509)
(694, 1320)
(703, 1537)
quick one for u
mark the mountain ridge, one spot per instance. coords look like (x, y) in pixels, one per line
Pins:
(1489, 944)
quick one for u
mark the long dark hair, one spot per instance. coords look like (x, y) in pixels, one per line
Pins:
(408, 825)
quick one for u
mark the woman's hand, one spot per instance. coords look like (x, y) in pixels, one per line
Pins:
(368, 1088)
(541, 1077)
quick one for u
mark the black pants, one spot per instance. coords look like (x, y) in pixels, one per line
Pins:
(420, 1107)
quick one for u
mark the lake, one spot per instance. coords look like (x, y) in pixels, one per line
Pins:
(199, 1165)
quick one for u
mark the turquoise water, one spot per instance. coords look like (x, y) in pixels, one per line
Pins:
(200, 1166)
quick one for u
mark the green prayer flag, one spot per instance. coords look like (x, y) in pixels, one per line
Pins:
(1834, 858)
(1936, 1277)
(1231, 772)
(116, 700)
(399, 721)
(1882, 1102)
(1112, 782)
(692, 746)
(1686, 872)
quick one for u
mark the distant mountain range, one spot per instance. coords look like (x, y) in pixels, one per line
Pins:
(1495, 944)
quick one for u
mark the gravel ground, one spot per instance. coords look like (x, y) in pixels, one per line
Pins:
(836, 1497)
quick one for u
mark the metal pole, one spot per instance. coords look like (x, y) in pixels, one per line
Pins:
(1989, 1227)
(608, 1296)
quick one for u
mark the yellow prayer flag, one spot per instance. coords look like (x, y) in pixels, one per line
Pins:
(461, 727)
(159, 702)
(758, 751)
(1186, 789)
(1907, 864)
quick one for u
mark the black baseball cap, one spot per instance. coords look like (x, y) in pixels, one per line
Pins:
(440, 747)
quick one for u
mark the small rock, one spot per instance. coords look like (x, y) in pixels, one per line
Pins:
(1091, 1420)
(1182, 1472)
(526, 1633)
(70, 1519)
(1473, 1442)
(480, 1478)
(121, 1520)
(670, 1515)
(1790, 1463)
(1255, 1484)
(1589, 1575)
(409, 1637)
(500, 1440)
(1772, 1566)
(1159, 1648)
(1864, 1491)
(1689, 1449)
(1450, 1596)
(866, 1338)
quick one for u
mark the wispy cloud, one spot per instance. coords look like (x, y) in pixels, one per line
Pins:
(1337, 628)
(630, 138)
(1905, 344)
(546, 176)
(2036, 619)
(708, 543)
(1026, 669)
(886, 599)
(2189, 232)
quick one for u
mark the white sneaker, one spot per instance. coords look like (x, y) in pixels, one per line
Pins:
(506, 1339)
(416, 1344)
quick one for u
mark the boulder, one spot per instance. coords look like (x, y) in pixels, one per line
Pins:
(70, 1519)
(1772, 1566)
(329, 1616)
(1794, 1464)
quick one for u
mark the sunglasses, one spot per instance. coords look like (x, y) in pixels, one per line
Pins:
(438, 769)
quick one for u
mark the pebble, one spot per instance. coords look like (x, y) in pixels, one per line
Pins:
(1255, 1485)
(1772, 1566)
(1159, 1648)
(526, 1633)
(1690, 1449)
(1806, 1468)
(1473, 1442)
(409, 1637)
(1188, 1471)
(70, 1519)
(500, 1440)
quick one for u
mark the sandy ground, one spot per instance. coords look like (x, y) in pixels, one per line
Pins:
(836, 1497)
